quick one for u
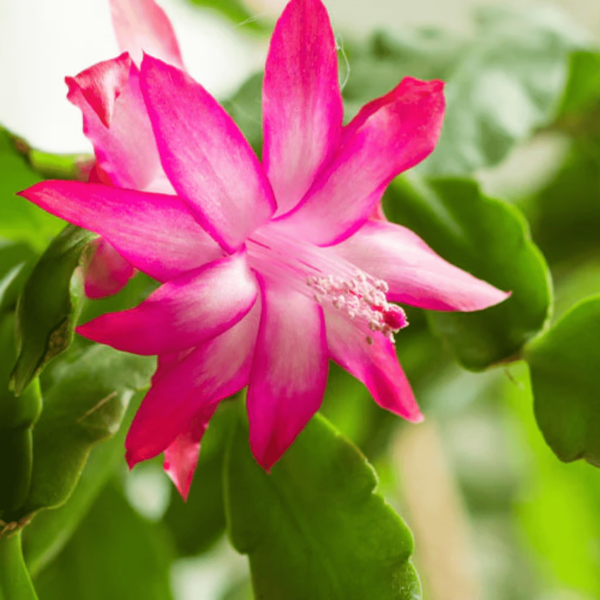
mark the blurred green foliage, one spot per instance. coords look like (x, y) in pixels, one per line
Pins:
(535, 521)
(333, 538)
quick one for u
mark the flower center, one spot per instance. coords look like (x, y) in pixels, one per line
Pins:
(360, 297)
(330, 280)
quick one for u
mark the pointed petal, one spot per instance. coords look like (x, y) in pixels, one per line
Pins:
(156, 233)
(181, 457)
(189, 387)
(388, 136)
(375, 364)
(302, 103)
(142, 26)
(182, 313)
(205, 155)
(289, 372)
(415, 274)
(116, 122)
(107, 272)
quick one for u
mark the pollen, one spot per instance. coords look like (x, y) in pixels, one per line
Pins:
(361, 298)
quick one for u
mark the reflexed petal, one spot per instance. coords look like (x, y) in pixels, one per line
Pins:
(289, 372)
(116, 121)
(181, 457)
(375, 365)
(154, 232)
(182, 313)
(302, 104)
(142, 26)
(415, 273)
(388, 136)
(205, 156)
(190, 386)
(107, 273)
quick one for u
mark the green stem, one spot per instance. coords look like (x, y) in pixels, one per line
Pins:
(15, 583)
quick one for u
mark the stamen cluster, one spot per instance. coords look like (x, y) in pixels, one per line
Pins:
(360, 297)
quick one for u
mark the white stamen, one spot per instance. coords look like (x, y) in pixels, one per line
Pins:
(361, 297)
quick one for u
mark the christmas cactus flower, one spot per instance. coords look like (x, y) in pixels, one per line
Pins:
(268, 270)
(116, 122)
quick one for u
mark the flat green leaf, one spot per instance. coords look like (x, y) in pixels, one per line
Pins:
(566, 211)
(16, 262)
(315, 527)
(503, 82)
(50, 531)
(47, 308)
(507, 84)
(85, 406)
(564, 377)
(17, 417)
(15, 583)
(114, 554)
(489, 239)
(582, 91)
(21, 220)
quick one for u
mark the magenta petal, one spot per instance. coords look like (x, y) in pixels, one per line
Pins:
(374, 364)
(142, 26)
(289, 372)
(181, 457)
(186, 388)
(388, 136)
(302, 104)
(156, 233)
(101, 85)
(182, 313)
(205, 155)
(116, 122)
(107, 272)
(415, 274)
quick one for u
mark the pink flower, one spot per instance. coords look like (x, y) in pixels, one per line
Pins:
(268, 271)
(116, 122)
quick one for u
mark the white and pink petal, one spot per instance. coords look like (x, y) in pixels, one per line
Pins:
(415, 274)
(371, 358)
(156, 233)
(107, 271)
(205, 156)
(289, 372)
(187, 388)
(142, 26)
(116, 122)
(388, 136)
(184, 312)
(302, 103)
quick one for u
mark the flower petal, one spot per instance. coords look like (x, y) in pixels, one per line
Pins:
(415, 274)
(388, 136)
(289, 372)
(182, 313)
(156, 233)
(302, 103)
(189, 386)
(181, 457)
(116, 122)
(205, 155)
(142, 26)
(107, 272)
(374, 364)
